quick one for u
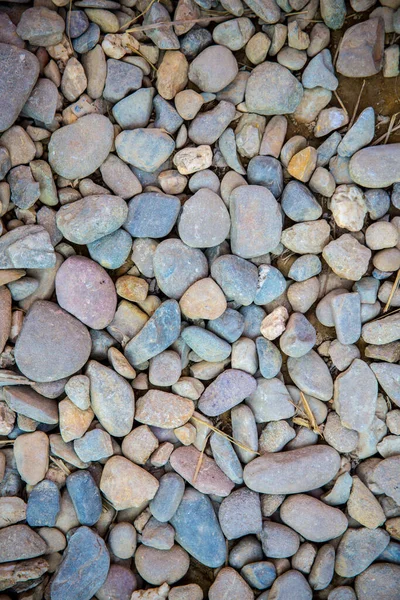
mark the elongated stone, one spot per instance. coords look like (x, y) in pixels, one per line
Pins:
(388, 376)
(197, 529)
(162, 409)
(227, 390)
(277, 473)
(358, 548)
(210, 479)
(206, 344)
(312, 519)
(25, 401)
(383, 331)
(311, 375)
(160, 331)
(346, 310)
(376, 166)
(85, 496)
(355, 396)
(226, 458)
(84, 567)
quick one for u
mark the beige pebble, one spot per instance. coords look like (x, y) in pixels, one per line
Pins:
(73, 82)
(274, 324)
(387, 260)
(139, 444)
(381, 234)
(125, 484)
(191, 160)
(74, 422)
(132, 288)
(204, 299)
(122, 540)
(172, 74)
(186, 434)
(188, 104)
(31, 452)
(120, 364)
(303, 164)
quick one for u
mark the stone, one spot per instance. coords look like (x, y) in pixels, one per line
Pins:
(364, 507)
(339, 437)
(77, 390)
(164, 38)
(240, 514)
(42, 103)
(27, 402)
(24, 189)
(77, 150)
(20, 574)
(381, 234)
(85, 496)
(93, 445)
(112, 399)
(134, 110)
(320, 72)
(265, 171)
(358, 548)
(383, 159)
(188, 104)
(122, 540)
(46, 327)
(310, 373)
(210, 479)
(176, 267)
(312, 519)
(208, 126)
(388, 376)
(254, 204)
(272, 90)
(43, 505)
(383, 331)
(385, 476)
(360, 134)
(355, 396)
(41, 26)
(224, 69)
(207, 345)
(150, 409)
(27, 247)
(125, 484)
(84, 567)
(204, 299)
(85, 43)
(122, 78)
(298, 238)
(120, 580)
(226, 458)
(291, 582)
(19, 542)
(237, 278)
(299, 204)
(270, 401)
(276, 473)
(323, 568)
(386, 574)
(346, 311)
(172, 74)
(13, 509)
(146, 149)
(112, 250)
(299, 336)
(166, 116)
(228, 581)
(228, 389)
(132, 288)
(197, 529)
(330, 119)
(158, 566)
(192, 160)
(347, 257)
(74, 422)
(361, 50)
(74, 81)
(204, 221)
(348, 207)
(119, 178)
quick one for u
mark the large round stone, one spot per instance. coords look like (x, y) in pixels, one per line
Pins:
(52, 344)
(146, 149)
(177, 266)
(86, 291)
(204, 222)
(213, 69)
(272, 90)
(77, 150)
(313, 519)
(376, 166)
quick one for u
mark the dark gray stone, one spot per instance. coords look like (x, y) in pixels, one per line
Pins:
(152, 214)
(122, 78)
(266, 171)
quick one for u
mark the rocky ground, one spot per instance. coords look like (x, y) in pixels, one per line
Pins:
(199, 300)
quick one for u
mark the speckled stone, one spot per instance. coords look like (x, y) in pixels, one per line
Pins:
(224, 69)
(278, 541)
(19, 542)
(210, 478)
(150, 409)
(85, 496)
(43, 505)
(240, 514)
(237, 278)
(152, 215)
(146, 149)
(378, 582)
(227, 390)
(204, 221)
(127, 485)
(358, 548)
(272, 90)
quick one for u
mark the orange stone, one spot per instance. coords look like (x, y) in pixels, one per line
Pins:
(125, 484)
(203, 300)
(132, 288)
(303, 164)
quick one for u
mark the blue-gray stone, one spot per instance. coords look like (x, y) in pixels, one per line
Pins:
(271, 284)
(208, 126)
(163, 37)
(160, 331)
(196, 40)
(228, 326)
(299, 204)
(272, 89)
(299, 336)
(197, 529)
(43, 505)
(152, 215)
(259, 575)
(168, 497)
(390, 554)
(166, 116)
(378, 202)
(395, 195)
(88, 40)
(134, 110)
(177, 266)
(84, 567)
(206, 344)
(320, 72)
(388, 376)
(269, 358)
(381, 275)
(359, 135)
(146, 149)
(237, 277)
(333, 13)
(111, 251)
(339, 168)
(253, 317)
(266, 171)
(328, 149)
(77, 23)
(234, 91)
(122, 78)
(227, 146)
(247, 550)
(226, 458)
(94, 445)
(346, 310)
(22, 288)
(151, 178)
(367, 287)
(85, 496)
(305, 267)
(42, 103)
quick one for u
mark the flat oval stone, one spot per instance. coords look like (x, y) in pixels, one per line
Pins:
(197, 529)
(204, 221)
(162, 409)
(388, 376)
(358, 548)
(112, 399)
(383, 331)
(19, 71)
(293, 471)
(168, 497)
(86, 291)
(226, 391)
(127, 485)
(77, 150)
(271, 401)
(157, 566)
(19, 542)
(210, 479)
(85, 496)
(312, 519)
(291, 584)
(152, 215)
(272, 90)
(279, 541)
(311, 375)
(84, 567)
(386, 477)
(91, 218)
(176, 267)
(355, 396)
(146, 149)
(52, 344)
(256, 220)
(379, 582)
(27, 402)
(160, 331)
(376, 166)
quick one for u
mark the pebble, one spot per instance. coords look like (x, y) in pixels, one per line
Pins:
(94, 445)
(299, 336)
(240, 514)
(177, 266)
(381, 332)
(150, 409)
(19, 542)
(192, 160)
(259, 574)
(347, 257)
(134, 110)
(358, 548)
(157, 566)
(330, 119)
(355, 395)
(85, 497)
(41, 26)
(210, 479)
(291, 582)
(361, 51)
(207, 208)
(366, 583)
(312, 519)
(276, 473)
(13, 509)
(267, 172)
(387, 375)
(125, 484)
(228, 581)
(146, 149)
(272, 90)
(43, 505)
(348, 207)
(223, 72)
(320, 72)
(197, 529)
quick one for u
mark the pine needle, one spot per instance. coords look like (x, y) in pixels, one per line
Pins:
(310, 415)
(374, 143)
(353, 118)
(225, 435)
(390, 128)
(148, 7)
(392, 291)
(61, 465)
(6, 442)
(340, 102)
(200, 461)
(151, 26)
